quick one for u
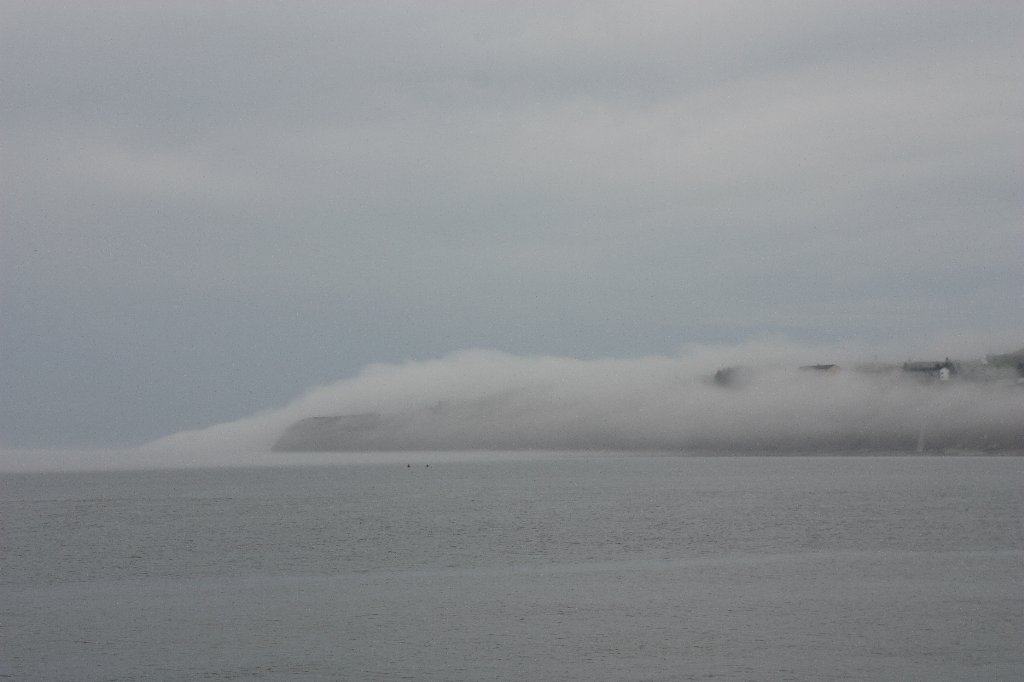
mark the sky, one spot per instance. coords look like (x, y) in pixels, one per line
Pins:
(208, 209)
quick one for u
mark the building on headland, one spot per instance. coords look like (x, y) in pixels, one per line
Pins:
(1003, 369)
(941, 370)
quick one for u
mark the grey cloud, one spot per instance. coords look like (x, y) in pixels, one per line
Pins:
(570, 178)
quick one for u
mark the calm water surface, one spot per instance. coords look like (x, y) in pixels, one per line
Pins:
(563, 567)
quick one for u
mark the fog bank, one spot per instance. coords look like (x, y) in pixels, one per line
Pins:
(488, 400)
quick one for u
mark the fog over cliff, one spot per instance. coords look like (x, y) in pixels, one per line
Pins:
(488, 400)
(207, 208)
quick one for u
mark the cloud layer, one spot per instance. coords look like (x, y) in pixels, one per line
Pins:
(480, 400)
(207, 207)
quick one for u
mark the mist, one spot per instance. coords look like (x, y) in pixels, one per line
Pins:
(489, 400)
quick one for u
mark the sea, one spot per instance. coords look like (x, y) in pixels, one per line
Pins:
(518, 566)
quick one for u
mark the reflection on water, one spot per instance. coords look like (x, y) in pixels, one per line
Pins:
(563, 567)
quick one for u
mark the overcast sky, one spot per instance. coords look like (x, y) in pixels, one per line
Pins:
(207, 208)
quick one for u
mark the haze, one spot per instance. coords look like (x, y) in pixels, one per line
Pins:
(208, 208)
(494, 401)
